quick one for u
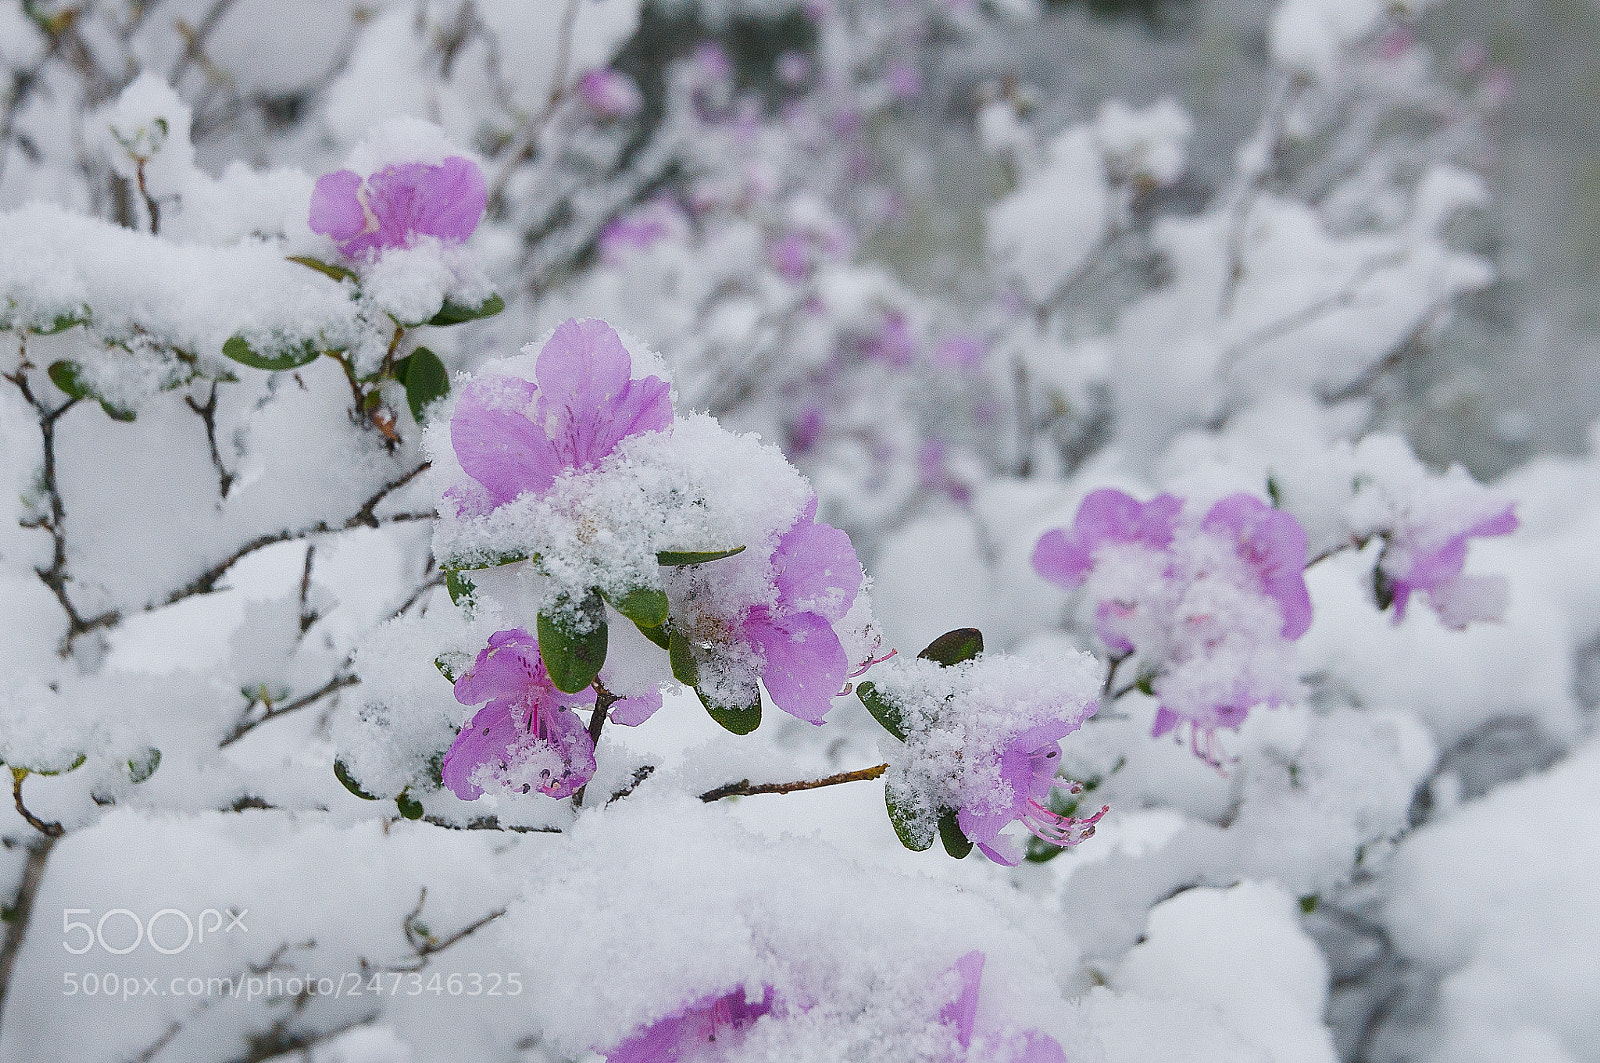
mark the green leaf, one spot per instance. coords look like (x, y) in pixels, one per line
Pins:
(955, 842)
(68, 376)
(478, 562)
(1274, 492)
(1146, 684)
(679, 558)
(409, 806)
(1308, 903)
(342, 773)
(452, 664)
(1382, 588)
(742, 718)
(1042, 852)
(953, 647)
(424, 378)
(882, 709)
(327, 269)
(143, 765)
(660, 635)
(680, 652)
(64, 322)
(572, 641)
(276, 358)
(915, 832)
(645, 606)
(454, 313)
(74, 766)
(459, 586)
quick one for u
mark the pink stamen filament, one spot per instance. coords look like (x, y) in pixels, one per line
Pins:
(1057, 829)
(862, 670)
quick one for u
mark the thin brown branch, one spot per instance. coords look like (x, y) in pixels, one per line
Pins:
(21, 911)
(639, 776)
(743, 787)
(194, 41)
(534, 123)
(425, 945)
(603, 700)
(45, 827)
(245, 726)
(207, 412)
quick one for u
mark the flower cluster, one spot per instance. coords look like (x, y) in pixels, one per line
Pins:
(1209, 606)
(574, 488)
(981, 747)
(393, 207)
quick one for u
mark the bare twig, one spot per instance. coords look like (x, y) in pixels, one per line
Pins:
(207, 412)
(639, 776)
(743, 787)
(423, 942)
(603, 700)
(1258, 165)
(534, 123)
(245, 726)
(45, 827)
(21, 910)
(194, 41)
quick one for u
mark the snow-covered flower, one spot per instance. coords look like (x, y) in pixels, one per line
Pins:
(693, 1030)
(527, 737)
(816, 577)
(514, 436)
(656, 220)
(1428, 556)
(1000, 1046)
(399, 203)
(610, 93)
(1210, 606)
(982, 741)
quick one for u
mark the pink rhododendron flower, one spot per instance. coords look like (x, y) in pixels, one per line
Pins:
(792, 68)
(1028, 763)
(659, 219)
(399, 203)
(791, 256)
(959, 352)
(895, 344)
(1104, 516)
(513, 436)
(1209, 606)
(527, 737)
(817, 578)
(1428, 559)
(692, 1031)
(610, 93)
(905, 80)
(960, 1015)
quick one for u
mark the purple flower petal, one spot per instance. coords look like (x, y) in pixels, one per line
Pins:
(805, 664)
(963, 1010)
(497, 444)
(631, 712)
(815, 568)
(589, 403)
(526, 718)
(1271, 542)
(401, 202)
(336, 208)
(686, 1033)
(1104, 516)
(484, 741)
(1061, 560)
